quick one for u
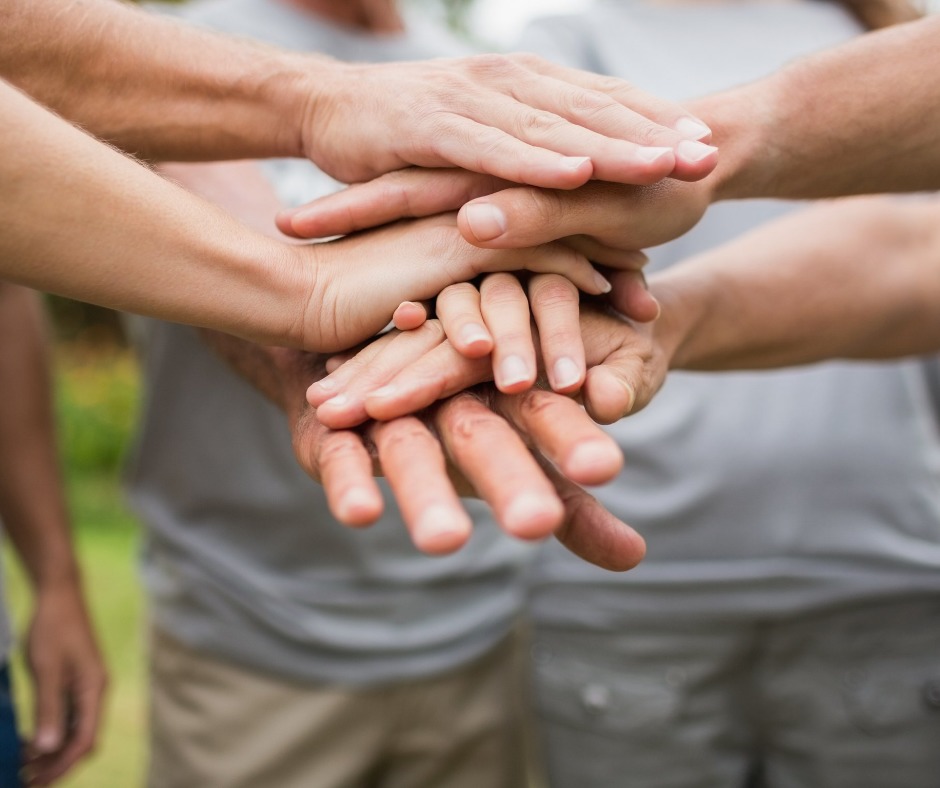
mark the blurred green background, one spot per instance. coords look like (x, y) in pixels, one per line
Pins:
(96, 400)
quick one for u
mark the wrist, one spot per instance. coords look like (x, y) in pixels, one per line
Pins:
(685, 300)
(744, 123)
(305, 98)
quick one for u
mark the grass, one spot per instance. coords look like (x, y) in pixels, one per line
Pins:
(96, 402)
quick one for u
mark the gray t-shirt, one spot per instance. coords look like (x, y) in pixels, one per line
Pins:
(242, 559)
(762, 493)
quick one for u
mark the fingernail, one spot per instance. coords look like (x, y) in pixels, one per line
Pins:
(694, 151)
(327, 384)
(336, 402)
(565, 373)
(513, 370)
(573, 162)
(531, 516)
(472, 333)
(438, 528)
(692, 128)
(649, 155)
(486, 221)
(602, 284)
(46, 740)
(385, 391)
(356, 506)
(594, 457)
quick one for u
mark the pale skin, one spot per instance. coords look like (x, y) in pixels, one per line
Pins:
(188, 94)
(468, 445)
(210, 270)
(64, 662)
(785, 294)
(812, 130)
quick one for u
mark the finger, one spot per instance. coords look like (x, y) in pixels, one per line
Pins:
(86, 706)
(408, 193)
(333, 363)
(410, 315)
(348, 407)
(631, 296)
(556, 308)
(614, 107)
(416, 471)
(458, 309)
(341, 463)
(618, 159)
(49, 705)
(662, 113)
(624, 384)
(591, 532)
(563, 432)
(483, 148)
(329, 386)
(436, 375)
(492, 456)
(506, 312)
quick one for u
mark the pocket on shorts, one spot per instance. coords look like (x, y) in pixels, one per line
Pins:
(590, 689)
(885, 697)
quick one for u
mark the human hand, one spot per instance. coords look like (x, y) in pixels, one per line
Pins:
(479, 451)
(401, 373)
(600, 220)
(361, 280)
(69, 681)
(494, 320)
(518, 117)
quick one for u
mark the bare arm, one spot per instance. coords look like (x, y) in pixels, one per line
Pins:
(167, 91)
(860, 118)
(63, 658)
(859, 278)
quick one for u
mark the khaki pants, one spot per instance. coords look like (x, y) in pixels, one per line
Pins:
(217, 725)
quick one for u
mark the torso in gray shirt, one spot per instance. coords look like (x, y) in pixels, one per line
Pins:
(759, 494)
(242, 559)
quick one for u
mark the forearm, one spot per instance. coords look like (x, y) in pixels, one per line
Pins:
(32, 503)
(861, 118)
(82, 220)
(154, 86)
(855, 279)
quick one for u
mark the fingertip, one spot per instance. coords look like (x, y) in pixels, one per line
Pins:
(441, 530)
(694, 160)
(481, 222)
(409, 315)
(48, 739)
(284, 221)
(532, 516)
(567, 375)
(358, 507)
(320, 392)
(607, 398)
(593, 462)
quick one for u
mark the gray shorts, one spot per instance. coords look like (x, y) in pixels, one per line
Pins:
(845, 699)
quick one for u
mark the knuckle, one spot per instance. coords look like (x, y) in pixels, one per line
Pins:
(336, 449)
(464, 420)
(536, 404)
(402, 435)
(491, 65)
(539, 124)
(543, 206)
(528, 60)
(553, 292)
(589, 103)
